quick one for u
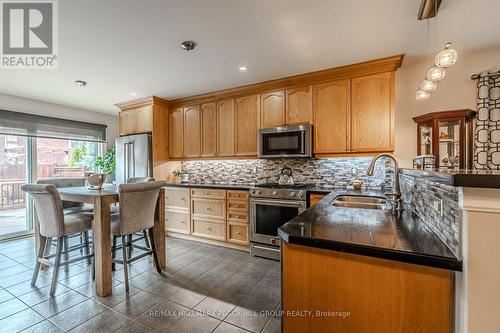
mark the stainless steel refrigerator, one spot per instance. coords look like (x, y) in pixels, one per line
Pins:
(134, 157)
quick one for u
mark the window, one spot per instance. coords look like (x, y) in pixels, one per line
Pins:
(33, 148)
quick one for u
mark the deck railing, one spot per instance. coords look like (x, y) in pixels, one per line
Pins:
(11, 195)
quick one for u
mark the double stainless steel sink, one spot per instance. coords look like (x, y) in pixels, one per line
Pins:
(361, 201)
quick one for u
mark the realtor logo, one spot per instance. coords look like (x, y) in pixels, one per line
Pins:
(29, 34)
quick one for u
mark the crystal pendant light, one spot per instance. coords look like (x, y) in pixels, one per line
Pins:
(428, 85)
(421, 95)
(447, 57)
(436, 73)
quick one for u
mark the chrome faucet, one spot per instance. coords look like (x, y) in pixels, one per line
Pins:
(395, 196)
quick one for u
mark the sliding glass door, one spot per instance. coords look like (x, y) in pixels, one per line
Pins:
(14, 172)
(29, 159)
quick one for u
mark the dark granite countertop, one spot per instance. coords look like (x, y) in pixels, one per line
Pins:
(463, 178)
(230, 186)
(375, 233)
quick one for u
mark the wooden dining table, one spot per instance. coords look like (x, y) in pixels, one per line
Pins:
(101, 228)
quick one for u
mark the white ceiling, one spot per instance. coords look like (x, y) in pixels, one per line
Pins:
(123, 46)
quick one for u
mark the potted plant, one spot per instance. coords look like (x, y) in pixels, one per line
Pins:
(183, 173)
(107, 164)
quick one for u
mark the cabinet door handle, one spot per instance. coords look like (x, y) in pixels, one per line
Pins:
(208, 208)
(237, 206)
(207, 193)
(236, 195)
(238, 233)
(182, 222)
(183, 199)
(207, 228)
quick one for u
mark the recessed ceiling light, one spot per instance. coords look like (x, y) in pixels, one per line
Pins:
(81, 83)
(243, 68)
(133, 94)
(188, 45)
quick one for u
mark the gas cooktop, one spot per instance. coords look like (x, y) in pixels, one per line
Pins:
(279, 191)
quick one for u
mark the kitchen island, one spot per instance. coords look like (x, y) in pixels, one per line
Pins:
(364, 270)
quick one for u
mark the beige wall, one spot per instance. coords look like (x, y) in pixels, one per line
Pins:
(456, 91)
(20, 104)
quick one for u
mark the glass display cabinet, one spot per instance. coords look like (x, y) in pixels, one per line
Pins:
(448, 136)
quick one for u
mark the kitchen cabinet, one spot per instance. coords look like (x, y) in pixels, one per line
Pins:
(209, 130)
(299, 105)
(176, 131)
(372, 111)
(332, 117)
(136, 120)
(273, 109)
(216, 216)
(225, 128)
(379, 295)
(177, 215)
(246, 110)
(314, 198)
(192, 131)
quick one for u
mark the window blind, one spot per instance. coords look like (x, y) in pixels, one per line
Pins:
(25, 124)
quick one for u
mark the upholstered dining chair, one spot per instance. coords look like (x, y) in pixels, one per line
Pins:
(137, 213)
(55, 224)
(130, 239)
(69, 206)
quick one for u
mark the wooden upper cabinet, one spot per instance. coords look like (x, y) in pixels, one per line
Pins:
(372, 109)
(137, 120)
(176, 129)
(225, 128)
(192, 131)
(127, 122)
(247, 110)
(144, 119)
(209, 130)
(299, 105)
(332, 117)
(273, 109)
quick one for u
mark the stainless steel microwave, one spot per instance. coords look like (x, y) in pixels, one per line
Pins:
(285, 141)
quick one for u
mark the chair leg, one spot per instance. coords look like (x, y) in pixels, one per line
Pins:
(41, 250)
(57, 264)
(93, 261)
(125, 263)
(153, 248)
(66, 255)
(84, 237)
(113, 253)
(146, 240)
(130, 246)
(86, 244)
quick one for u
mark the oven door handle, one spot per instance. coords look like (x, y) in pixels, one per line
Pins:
(274, 202)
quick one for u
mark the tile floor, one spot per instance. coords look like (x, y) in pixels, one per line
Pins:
(203, 289)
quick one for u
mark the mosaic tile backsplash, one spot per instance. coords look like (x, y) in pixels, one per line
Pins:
(332, 172)
(419, 196)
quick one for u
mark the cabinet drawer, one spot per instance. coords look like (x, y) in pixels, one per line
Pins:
(209, 229)
(237, 195)
(237, 206)
(237, 233)
(239, 217)
(177, 198)
(208, 193)
(208, 208)
(177, 221)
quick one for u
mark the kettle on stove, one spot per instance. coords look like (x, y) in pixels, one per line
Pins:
(286, 177)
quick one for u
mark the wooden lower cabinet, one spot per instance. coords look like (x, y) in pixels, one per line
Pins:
(237, 233)
(313, 198)
(354, 293)
(206, 228)
(209, 217)
(177, 221)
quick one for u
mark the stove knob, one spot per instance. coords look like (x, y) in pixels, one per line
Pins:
(275, 192)
(258, 192)
(292, 194)
(300, 194)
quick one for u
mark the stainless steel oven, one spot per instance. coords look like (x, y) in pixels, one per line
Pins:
(285, 141)
(269, 209)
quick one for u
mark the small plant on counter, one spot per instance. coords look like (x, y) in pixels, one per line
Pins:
(183, 173)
